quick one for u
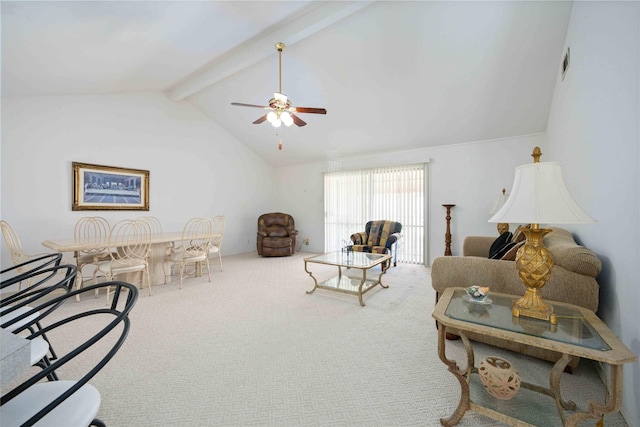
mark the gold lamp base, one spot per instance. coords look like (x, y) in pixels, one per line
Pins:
(542, 314)
(534, 263)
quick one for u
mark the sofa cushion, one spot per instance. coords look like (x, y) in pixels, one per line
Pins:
(499, 244)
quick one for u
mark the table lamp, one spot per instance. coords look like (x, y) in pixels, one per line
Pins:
(539, 195)
(502, 197)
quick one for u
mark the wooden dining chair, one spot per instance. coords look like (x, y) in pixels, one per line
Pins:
(129, 243)
(194, 248)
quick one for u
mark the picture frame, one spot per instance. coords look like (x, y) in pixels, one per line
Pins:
(106, 188)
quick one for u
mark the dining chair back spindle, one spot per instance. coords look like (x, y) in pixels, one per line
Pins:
(154, 223)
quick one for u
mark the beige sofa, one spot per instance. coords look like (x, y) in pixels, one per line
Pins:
(573, 278)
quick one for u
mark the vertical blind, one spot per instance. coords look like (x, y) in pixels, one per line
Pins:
(352, 198)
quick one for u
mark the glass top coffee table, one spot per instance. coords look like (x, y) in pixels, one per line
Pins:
(346, 284)
(579, 332)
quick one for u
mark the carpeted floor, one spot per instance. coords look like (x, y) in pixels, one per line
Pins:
(251, 348)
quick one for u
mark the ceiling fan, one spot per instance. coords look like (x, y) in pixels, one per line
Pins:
(282, 112)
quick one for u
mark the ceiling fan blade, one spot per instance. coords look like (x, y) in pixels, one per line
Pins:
(260, 120)
(240, 104)
(298, 121)
(311, 110)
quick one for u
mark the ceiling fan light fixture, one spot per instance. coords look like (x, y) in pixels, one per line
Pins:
(286, 118)
(280, 105)
(273, 117)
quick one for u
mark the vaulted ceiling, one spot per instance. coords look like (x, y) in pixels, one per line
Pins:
(393, 75)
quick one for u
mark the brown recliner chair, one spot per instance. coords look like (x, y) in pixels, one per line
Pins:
(276, 234)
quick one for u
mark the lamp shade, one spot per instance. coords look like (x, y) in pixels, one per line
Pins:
(540, 196)
(500, 201)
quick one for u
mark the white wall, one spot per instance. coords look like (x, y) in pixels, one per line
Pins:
(468, 175)
(594, 132)
(196, 167)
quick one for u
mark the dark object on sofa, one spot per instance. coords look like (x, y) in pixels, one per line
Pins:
(276, 234)
(379, 237)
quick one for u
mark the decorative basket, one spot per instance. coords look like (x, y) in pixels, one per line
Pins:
(499, 377)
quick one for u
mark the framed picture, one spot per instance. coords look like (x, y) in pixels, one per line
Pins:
(106, 188)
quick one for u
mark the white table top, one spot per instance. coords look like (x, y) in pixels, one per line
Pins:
(72, 245)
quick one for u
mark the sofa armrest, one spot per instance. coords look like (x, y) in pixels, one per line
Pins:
(477, 246)
(571, 256)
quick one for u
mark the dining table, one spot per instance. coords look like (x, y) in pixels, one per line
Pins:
(160, 245)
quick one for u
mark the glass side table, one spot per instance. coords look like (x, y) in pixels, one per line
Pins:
(579, 332)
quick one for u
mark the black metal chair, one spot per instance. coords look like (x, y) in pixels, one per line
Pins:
(42, 280)
(71, 402)
(17, 308)
(17, 273)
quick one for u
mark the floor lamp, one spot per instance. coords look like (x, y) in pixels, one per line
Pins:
(539, 195)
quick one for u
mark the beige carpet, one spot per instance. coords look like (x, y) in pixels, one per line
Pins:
(251, 348)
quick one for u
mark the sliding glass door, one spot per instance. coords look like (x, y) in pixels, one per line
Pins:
(352, 198)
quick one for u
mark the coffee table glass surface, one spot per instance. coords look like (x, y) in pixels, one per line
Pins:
(349, 259)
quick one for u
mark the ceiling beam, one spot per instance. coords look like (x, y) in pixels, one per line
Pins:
(316, 17)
